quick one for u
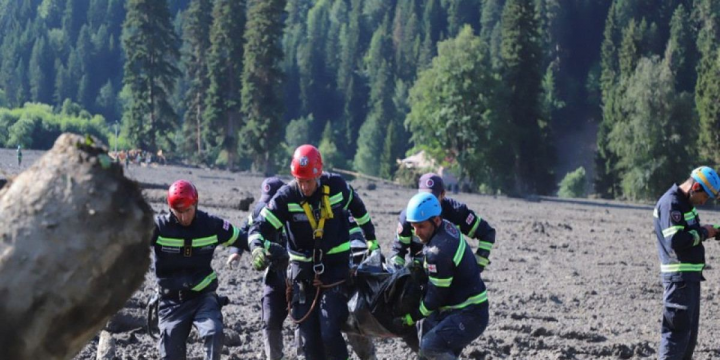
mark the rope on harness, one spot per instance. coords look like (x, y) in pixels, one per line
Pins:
(318, 267)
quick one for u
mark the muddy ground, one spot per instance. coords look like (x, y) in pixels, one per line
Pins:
(568, 279)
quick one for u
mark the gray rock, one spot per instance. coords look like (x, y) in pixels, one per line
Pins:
(75, 241)
(106, 347)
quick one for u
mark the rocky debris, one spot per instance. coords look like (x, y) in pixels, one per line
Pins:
(70, 226)
(245, 202)
(106, 347)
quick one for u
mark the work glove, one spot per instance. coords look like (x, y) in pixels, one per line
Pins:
(481, 261)
(403, 321)
(396, 262)
(278, 256)
(259, 259)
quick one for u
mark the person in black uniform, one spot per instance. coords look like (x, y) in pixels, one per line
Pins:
(457, 213)
(184, 242)
(454, 310)
(680, 239)
(313, 210)
(274, 305)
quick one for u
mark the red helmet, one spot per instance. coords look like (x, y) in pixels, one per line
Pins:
(306, 162)
(182, 194)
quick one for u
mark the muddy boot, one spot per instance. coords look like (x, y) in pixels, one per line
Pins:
(273, 344)
(362, 345)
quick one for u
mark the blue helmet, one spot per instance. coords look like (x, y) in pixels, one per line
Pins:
(709, 180)
(422, 206)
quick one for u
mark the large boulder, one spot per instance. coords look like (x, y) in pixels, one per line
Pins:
(74, 247)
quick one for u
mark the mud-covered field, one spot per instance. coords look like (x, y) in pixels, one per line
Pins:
(568, 279)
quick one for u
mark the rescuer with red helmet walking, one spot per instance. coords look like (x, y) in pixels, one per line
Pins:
(184, 242)
(313, 209)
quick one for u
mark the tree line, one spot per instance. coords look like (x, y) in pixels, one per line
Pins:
(485, 87)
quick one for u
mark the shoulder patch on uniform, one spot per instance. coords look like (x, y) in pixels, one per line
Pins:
(470, 219)
(451, 229)
(400, 228)
(432, 268)
(226, 225)
(676, 216)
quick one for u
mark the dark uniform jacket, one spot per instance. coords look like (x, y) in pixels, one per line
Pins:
(285, 209)
(679, 237)
(453, 279)
(457, 213)
(183, 254)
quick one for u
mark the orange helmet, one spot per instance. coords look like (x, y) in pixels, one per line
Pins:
(182, 194)
(306, 162)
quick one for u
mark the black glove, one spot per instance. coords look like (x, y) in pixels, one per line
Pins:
(278, 256)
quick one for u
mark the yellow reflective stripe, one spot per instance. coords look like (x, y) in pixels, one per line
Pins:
(340, 248)
(372, 244)
(265, 212)
(405, 239)
(681, 267)
(696, 237)
(672, 230)
(301, 258)
(171, 242)
(707, 183)
(423, 310)
(459, 252)
(294, 207)
(473, 300)
(441, 282)
(204, 241)
(254, 237)
(363, 219)
(206, 281)
(482, 261)
(485, 245)
(355, 230)
(474, 228)
(235, 235)
(337, 198)
(690, 215)
(347, 204)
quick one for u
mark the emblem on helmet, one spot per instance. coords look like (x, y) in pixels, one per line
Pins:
(304, 161)
(430, 183)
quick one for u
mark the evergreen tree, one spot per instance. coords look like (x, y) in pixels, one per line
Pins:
(40, 72)
(522, 56)
(680, 52)
(151, 49)
(707, 89)
(222, 121)
(378, 65)
(261, 80)
(607, 179)
(196, 35)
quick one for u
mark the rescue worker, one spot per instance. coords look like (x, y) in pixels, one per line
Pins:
(457, 213)
(312, 208)
(274, 305)
(454, 309)
(680, 239)
(184, 241)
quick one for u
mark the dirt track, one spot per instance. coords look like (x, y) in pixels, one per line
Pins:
(568, 279)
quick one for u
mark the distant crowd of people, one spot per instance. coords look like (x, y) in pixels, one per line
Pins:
(137, 157)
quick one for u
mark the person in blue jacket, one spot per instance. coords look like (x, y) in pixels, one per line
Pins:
(469, 223)
(680, 237)
(454, 309)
